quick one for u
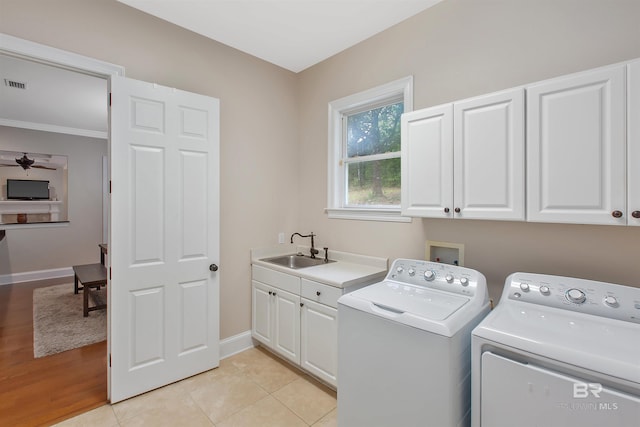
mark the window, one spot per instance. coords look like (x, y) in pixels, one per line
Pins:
(364, 152)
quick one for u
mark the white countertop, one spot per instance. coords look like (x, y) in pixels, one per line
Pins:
(347, 270)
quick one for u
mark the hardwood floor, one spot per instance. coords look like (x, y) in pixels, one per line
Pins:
(41, 392)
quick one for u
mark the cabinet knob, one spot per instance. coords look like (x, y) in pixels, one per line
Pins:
(270, 293)
(446, 210)
(617, 214)
(213, 267)
(318, 293)
(457, 210)
(301, 304)
(635, 214)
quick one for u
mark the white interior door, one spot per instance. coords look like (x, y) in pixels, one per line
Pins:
(164, 222)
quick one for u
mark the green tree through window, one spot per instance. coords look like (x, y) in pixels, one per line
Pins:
(373, 156)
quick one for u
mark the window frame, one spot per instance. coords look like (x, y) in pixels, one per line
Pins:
(401, 89)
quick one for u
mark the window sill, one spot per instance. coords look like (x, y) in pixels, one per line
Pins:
(388, 215)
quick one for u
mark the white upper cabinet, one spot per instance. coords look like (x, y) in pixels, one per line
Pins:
(576, 148)
(489, 173)
(427, 162)
(466, 159)
(633, 145)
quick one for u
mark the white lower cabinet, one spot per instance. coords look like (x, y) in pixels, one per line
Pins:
(298, 320)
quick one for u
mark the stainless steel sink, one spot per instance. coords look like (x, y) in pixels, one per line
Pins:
(296, 261)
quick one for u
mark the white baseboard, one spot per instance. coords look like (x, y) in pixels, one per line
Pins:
(28, 276)
(236, 344)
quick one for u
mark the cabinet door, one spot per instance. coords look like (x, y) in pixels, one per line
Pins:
(633, 145)
(319, 342)
(489, 156)
(287, 325)
(262, 313)
(427, 162)
(576, 148)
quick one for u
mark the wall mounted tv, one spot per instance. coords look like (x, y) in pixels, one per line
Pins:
(25, 189)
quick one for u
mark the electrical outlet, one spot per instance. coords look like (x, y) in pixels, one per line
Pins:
(281, 237)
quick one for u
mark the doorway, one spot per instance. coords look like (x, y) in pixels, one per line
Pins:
(81, 372)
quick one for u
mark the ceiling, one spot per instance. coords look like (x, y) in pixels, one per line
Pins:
(293, 34)
(54, 99)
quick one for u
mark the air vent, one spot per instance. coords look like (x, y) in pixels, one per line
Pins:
(15, 84)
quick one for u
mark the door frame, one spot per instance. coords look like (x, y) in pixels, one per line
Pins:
(28, 50)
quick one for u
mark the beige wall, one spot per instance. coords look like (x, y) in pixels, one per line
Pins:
(459, 49)
(258, 106)
(274, 123)
(36, 249)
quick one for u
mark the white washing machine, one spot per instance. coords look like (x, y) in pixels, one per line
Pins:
(404, 347)
(558, 351)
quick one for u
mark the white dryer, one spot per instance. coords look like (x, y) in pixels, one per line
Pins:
(558, 351)
(404, 347)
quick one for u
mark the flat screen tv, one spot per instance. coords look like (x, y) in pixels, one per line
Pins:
(26, 189)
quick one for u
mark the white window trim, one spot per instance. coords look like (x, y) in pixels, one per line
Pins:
(337, 109)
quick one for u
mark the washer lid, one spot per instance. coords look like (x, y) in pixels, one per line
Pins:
(415, 306)
(421, 302)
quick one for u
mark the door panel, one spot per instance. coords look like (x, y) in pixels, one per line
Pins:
(164, 301)
(489, 156)
(287, 325)
(526, 395)
(319, 338)
(576, 148)
(633, 145)
(427, 162)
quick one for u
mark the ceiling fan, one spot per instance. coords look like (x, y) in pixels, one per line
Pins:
(26, 163)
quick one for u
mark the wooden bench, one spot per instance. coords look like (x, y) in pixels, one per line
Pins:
(91, 276)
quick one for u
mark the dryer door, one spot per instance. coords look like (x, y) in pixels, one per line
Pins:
(514, 393)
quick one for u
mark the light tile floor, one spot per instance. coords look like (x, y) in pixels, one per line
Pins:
(250, 389)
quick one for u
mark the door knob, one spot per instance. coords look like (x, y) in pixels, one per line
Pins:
(213, 267)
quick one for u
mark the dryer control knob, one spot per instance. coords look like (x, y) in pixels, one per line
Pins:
(524, 287)
(611, 301)
(448, 278)
(576, 295)
(544, 290)
(464, 281)
(412, 272)
(429, 275)
(399, 270)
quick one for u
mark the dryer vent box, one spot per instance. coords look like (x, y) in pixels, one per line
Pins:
(446, 253)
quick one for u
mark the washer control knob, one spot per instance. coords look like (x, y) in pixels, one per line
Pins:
(412, 272)
(611, 301)
(448, 278)
(544, 290)
(576, 295)
(524, 287)
(429, 275)
(464, 281)
(399, 270)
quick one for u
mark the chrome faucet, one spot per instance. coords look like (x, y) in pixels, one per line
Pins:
(313, 250)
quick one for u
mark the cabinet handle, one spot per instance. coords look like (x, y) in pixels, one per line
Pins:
(617, 214)
(635, 214)
(318, 293)
(446, 210)
(457, 210)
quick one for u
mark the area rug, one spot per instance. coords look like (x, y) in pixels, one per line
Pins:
(58, 323)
